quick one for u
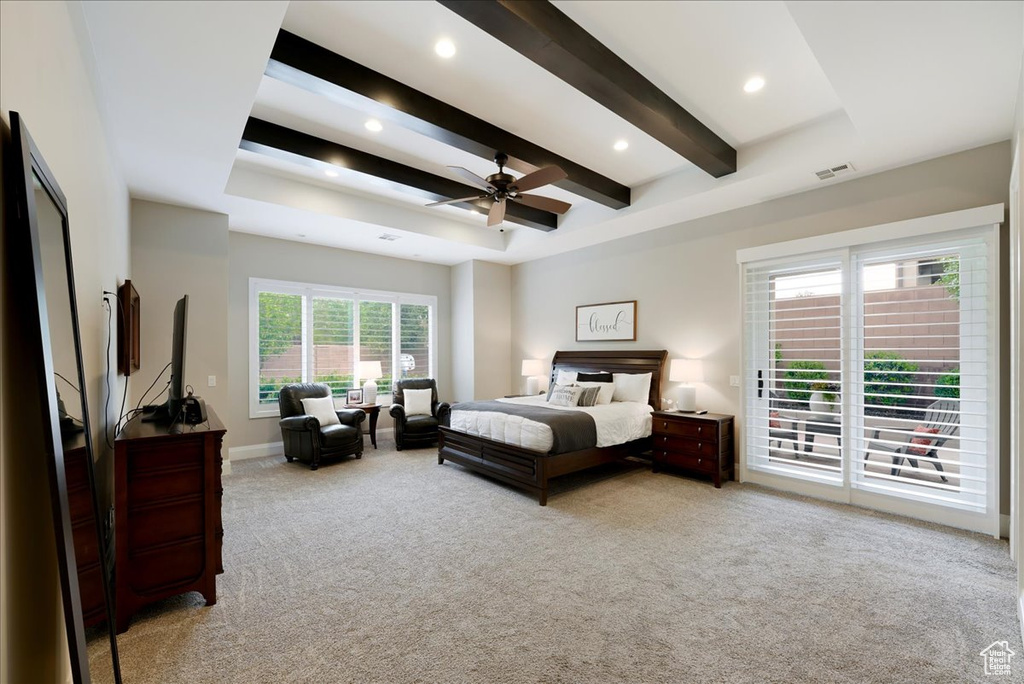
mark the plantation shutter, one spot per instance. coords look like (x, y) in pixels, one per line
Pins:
(280, 351)
(375, 334)
(922, 413)
(414, 352)
(793, 323)
(333, 351)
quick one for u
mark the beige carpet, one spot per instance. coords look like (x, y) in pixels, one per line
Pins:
(396, 569)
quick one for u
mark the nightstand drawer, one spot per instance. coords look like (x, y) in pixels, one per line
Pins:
(684, 428)
(695, 447)
(700, 463)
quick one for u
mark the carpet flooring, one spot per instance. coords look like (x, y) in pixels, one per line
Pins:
(395, 569)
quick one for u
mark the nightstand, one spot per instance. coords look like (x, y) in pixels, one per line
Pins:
(692, 442)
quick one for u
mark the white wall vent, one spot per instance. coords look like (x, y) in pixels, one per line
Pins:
(387, 236)
(842, 169)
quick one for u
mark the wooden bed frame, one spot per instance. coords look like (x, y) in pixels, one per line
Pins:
(532, 470)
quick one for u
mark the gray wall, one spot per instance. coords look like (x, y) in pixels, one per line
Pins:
(463, 347)
(686, 280)
(250, 256)
(43, 78)
(481, 330)
(178, 251)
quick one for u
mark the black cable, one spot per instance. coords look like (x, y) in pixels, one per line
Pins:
(67, 381)
(106, 399)
(124, 392)
(148, 390)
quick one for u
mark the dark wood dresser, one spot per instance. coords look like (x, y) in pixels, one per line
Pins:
(692, 442)
(84, 530)
(167, 491)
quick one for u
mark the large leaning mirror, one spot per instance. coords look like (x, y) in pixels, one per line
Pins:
(67, 443)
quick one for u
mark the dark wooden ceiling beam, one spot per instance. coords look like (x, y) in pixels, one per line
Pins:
(289, 145)
(541, 32)
(311, 67)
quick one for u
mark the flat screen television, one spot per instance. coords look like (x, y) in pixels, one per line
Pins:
(171, 409)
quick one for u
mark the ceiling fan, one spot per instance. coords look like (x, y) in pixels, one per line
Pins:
(502, 187)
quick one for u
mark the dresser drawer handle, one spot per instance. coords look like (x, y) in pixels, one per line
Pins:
(699, 445)
(699, 428)
(664, 424)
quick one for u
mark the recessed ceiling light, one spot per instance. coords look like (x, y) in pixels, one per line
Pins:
(445, 48)
(330, 173)
(754, 84)
(620, 145)
(373, 125)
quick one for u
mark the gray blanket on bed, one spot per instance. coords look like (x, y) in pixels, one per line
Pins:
(571, 430)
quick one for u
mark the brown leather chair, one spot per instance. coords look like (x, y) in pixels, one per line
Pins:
(415, 431)
(305, 439)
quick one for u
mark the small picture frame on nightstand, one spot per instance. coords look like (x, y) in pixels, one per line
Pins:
(354, 396)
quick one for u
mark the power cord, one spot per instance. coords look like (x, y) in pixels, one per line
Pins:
(106, 400)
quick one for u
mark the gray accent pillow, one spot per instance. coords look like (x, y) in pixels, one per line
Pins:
(588, 397)
(565, 395)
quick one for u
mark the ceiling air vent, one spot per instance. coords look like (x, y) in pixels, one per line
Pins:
(842, 169)
(387, 236)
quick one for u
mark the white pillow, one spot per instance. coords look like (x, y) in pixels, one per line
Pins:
(632, 387)
(565, 377)
(417, 402)
(565, 395)
(605, 395)
(321, 408)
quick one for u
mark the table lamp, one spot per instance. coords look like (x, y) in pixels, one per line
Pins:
(532, 368)
(370, 371)
(686, 371)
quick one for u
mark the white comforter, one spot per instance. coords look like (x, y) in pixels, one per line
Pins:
(617, 423)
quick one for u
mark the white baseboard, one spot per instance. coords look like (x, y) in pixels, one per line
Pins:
(255, 451)
(1020, 616)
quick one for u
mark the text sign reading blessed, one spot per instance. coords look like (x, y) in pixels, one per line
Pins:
(604, 322)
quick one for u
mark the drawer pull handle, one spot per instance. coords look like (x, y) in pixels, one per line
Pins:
(664, 424)
(699, 428)
(699, 445)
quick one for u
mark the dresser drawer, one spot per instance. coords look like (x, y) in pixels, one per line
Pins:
(684, 428)
(701, 463)
(696, 447)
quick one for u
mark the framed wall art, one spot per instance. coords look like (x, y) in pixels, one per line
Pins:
(609, 322)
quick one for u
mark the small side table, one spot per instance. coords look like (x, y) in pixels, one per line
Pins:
(373, 411)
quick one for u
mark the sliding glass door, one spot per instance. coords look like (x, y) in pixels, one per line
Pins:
(869, 375)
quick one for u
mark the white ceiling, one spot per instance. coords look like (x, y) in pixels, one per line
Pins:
(879, 84)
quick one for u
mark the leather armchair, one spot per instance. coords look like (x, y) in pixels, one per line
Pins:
(305, 439)
(417, 430)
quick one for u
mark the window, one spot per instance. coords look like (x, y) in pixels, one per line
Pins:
(871, 375)
(315, 333)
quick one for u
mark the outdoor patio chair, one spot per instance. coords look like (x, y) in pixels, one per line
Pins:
(779, 430)
(941, 423)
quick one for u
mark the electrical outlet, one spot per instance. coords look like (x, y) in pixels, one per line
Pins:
(734, 381)
(211, 381)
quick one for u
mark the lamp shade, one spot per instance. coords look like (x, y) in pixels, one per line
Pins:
(686, 370)
(370, 370)
(533, 367)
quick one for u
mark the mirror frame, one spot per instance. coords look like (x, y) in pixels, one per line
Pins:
(27, 161)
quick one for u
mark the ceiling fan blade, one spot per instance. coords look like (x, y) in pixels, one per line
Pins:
(497, 214)
(455, 201)
(473, 178)
(549, 174)
(545, 203)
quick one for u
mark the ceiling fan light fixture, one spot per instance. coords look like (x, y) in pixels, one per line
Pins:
(754, 84)
(621, 145)
(330, 173)
(445, 48)
(373, 125)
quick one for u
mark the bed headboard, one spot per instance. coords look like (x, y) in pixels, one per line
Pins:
(625, 361)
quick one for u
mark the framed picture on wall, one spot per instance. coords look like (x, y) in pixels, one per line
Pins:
(611, 321)
(355, 396)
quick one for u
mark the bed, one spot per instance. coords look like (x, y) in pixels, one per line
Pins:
(532, 470)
